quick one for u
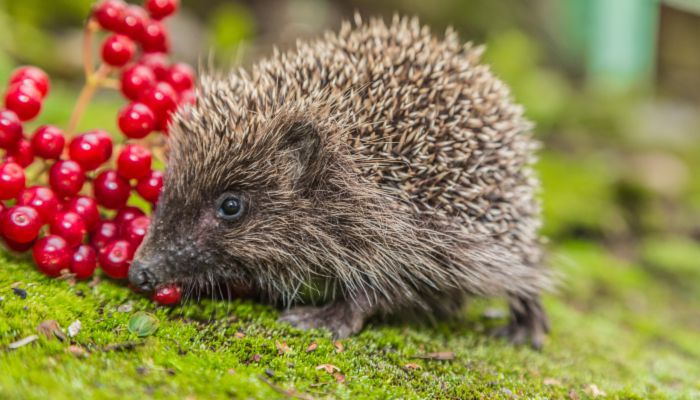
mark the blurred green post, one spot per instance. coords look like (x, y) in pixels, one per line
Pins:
(616, 39)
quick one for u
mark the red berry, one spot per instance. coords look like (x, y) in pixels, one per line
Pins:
(160, 9)
(167, 295)
(126, 215)
(22, 153)
(134, 162)
(84, 262)
(150, 187)
(42, 199)
(155, 37)
(66, 178)
(88, 150)
(180, 77)
(10, 129)
(118, 50)
(48, 142)
(111, 190)
(19, 247)
(52, 254)
(136, 120)
(105, 232)
(136, 80)
(136, 230)
(105, 143)
(12, 245)
(162, 100)
(134, 22)
(69, 226)
(163, 123)
(21, 224)
(25, 99)
(32, 74)
(12, 180)
(115, 259)
(158, 63)
(110, 14)
(86, 207)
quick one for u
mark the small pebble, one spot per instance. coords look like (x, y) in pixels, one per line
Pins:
(20, 292)
(74, 328)
(77, 351)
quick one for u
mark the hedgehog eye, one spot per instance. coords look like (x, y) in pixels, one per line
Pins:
(230, 207)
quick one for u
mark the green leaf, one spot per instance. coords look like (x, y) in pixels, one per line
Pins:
(143, 324)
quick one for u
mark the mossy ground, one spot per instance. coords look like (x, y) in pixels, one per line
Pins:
(615, 326)
(622, 327)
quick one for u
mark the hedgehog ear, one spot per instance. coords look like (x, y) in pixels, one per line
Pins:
(301, 146)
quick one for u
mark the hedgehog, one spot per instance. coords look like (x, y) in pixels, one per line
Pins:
(381, 167)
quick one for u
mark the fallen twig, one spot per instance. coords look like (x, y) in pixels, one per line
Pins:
(22, 342)
(440, 356)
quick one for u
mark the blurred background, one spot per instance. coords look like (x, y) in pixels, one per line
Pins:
(612, 85)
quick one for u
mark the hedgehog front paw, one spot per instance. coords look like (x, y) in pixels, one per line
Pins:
(528, 321)
(340, 318)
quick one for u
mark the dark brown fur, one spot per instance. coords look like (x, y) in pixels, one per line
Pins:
(381, 162)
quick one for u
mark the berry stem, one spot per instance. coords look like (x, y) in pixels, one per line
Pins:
(111, 84)
(90, 28)
(92, 83)
(36, 173)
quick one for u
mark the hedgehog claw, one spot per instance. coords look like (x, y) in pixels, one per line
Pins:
(340, 318)
(528, 321)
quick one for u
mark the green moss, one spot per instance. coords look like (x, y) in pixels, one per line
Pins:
(614, 326)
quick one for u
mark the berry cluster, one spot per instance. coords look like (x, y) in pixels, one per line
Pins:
(65, 197)
(151, 83)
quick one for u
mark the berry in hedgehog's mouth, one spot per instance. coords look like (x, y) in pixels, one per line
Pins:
(169, 285)
(168, 294)
(174, 292)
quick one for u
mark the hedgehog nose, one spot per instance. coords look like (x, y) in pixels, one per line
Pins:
(141, 276)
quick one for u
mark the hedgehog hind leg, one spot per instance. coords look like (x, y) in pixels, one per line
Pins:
(528, 321)
(490, 268)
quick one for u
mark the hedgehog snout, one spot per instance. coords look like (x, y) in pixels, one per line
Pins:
(142, 275)
(164, 259)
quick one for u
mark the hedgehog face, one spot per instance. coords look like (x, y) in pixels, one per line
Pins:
(240, 210)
